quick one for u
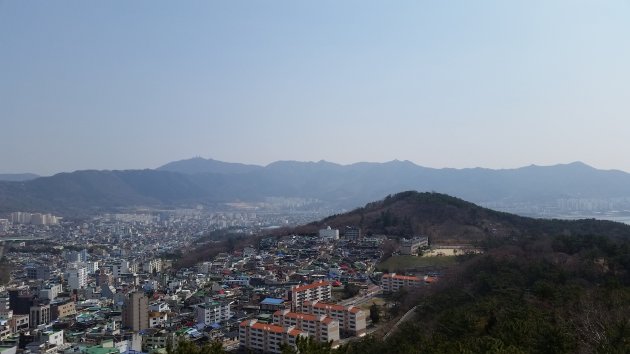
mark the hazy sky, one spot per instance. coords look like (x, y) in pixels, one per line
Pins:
(136, 84)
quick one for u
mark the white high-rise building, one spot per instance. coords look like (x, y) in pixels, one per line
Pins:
(19, 217)
(77, 277)
(213, 312)
(329, 234)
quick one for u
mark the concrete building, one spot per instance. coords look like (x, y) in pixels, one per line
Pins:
(135, 312)
(412, 245)
(120, 267)
(318, 291)
(77, 277)
(39, 314)
(91, 266)
(158, 340)
(272, 305)
(18, 322)
(63, 309)
(20, 301)
(393, 282)
(19, 217)
(352, 233)
(35, 219)
(37, 272)
(157, 319)
(213, 312)
(152, 266)
(76, 256)
(351, 319)
(50, 291)
(329, 234)
(320, 327)
(104, 278)
(257, 336)
(4, 225)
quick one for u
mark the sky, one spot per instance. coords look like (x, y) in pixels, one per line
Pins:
(137, 84)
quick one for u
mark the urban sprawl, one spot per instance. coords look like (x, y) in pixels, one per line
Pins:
(106, 285)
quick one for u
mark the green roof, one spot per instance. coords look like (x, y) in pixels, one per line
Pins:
(100, 350)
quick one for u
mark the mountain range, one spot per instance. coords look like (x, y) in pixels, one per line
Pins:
(206, 181)
(17, 177)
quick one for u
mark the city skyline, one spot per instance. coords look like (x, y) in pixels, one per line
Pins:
(491, 84)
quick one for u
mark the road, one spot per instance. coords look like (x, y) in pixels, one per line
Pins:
(362, 297)
(405, 317)
(18, 239)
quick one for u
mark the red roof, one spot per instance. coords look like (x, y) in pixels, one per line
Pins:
(297, 315)
(269, 328)
(401, 277)
(322, 305)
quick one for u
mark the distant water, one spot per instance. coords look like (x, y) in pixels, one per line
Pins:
(623, 219)
(618, 218)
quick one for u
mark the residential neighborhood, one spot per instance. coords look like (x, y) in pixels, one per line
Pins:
(109, 286)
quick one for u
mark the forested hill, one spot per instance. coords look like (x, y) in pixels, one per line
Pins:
(559, 294)
(447, 219)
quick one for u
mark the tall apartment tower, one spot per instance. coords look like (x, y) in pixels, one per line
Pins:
(136, 312)
(352, 233)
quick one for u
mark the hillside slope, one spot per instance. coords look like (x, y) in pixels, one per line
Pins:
(447, 219)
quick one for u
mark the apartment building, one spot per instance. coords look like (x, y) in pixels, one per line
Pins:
(37, 272)
(352, 233)
(213, 312)
(318, 291)
(351, 319)
(135, 312)
(393, 282)
(161, 339)
(321, 327)
(157, 319)
(77, 277)
(39, 314)
(257, 336)
(152, 266)
(63, 309)
(50, 291)
(413, 245)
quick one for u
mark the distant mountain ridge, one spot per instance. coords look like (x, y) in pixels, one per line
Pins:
(200, 165)
(17, 177)
(207, 181)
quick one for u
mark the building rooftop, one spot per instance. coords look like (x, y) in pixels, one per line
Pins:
(401, 277)
(272, 301)
(311, 286)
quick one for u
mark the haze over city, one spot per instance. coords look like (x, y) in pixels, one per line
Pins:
(126, 85)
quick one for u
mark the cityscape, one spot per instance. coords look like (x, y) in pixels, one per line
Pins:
(109, 284)
(314, 177)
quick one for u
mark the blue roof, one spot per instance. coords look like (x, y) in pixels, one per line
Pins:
(272, 301)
